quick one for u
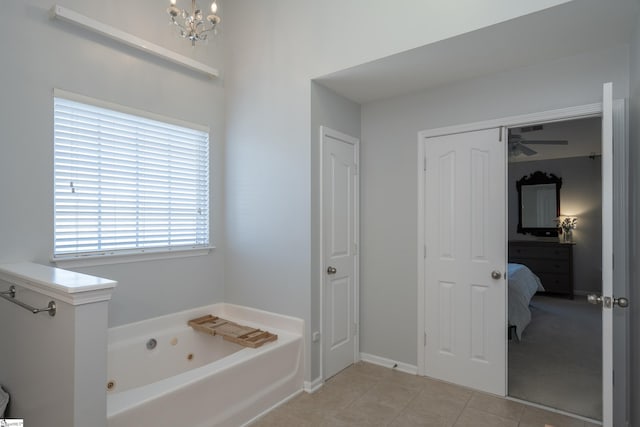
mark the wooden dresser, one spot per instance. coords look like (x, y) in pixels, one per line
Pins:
(552, 262)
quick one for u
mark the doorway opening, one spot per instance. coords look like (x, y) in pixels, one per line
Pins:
(615, 399)
(554, 347)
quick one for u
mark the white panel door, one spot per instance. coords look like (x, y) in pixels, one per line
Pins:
(465, 259)
(339, 241)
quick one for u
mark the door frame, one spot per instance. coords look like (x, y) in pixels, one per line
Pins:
(620, 216)
(326, 131)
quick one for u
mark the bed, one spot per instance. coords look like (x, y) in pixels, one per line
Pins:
(523, 284)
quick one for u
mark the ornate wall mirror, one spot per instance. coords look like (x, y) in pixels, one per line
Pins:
(539, 204)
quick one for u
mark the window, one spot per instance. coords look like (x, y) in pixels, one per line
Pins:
(126, 182)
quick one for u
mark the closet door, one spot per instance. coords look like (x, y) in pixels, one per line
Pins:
(465, 259)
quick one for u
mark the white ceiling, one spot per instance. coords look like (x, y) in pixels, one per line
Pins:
(583, 137)
(568, 29)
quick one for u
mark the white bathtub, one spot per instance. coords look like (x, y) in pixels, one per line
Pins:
(192, 379)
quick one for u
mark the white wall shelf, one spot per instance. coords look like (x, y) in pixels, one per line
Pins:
(97, 27)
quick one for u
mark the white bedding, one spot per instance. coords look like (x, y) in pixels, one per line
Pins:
(523, 284)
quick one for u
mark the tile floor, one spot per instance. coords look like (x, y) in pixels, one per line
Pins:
(370, 395)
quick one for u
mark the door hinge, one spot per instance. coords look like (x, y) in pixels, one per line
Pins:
(425, 252)
(425, 164)
(500, 134)
(425, 339)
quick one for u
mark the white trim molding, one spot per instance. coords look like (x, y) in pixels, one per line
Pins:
(124, 258)
(388, 363)
(100, 103)
(68, 15)
(559, 115)
(313, 386)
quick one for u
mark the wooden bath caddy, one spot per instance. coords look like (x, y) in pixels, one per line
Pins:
(231, 331)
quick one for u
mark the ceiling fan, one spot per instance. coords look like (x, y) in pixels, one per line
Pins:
(519, 145)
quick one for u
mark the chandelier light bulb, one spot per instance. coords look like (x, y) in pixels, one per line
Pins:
(191, 23)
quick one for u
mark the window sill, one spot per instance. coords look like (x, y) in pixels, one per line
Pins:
(124, 258)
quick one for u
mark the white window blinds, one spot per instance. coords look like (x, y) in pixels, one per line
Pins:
(127, 183)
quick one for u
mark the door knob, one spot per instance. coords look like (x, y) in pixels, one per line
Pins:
(495, 274)
(331, 270)
(621, 302)
(594, 299)
(597, 299)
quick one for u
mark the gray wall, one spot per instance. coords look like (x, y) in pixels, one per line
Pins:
(389, 173)
(580, 195)
(267, 192)
(338, 113)
(634, 199)
(54, 368)
(273, 51)
(40, 54)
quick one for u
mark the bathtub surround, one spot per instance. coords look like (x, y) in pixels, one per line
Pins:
(194, 379)
(71, 370)
(55, 367)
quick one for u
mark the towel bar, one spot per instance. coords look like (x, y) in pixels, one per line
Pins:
(10, 295)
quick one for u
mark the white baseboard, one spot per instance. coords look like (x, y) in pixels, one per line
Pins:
(313, 386)
(388, 363)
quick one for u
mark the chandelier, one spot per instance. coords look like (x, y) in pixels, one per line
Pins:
(191, 24)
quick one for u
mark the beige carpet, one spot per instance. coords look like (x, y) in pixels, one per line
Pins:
(558, 362)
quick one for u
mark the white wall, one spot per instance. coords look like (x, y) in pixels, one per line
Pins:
(338, 113)
(634, 199)
(273, 50)
(39, 54)
(580, 195)
(389, 173)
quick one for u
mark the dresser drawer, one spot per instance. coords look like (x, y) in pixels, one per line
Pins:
(527, 252)
(539, 265)
(551, 261)
(556, 283)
